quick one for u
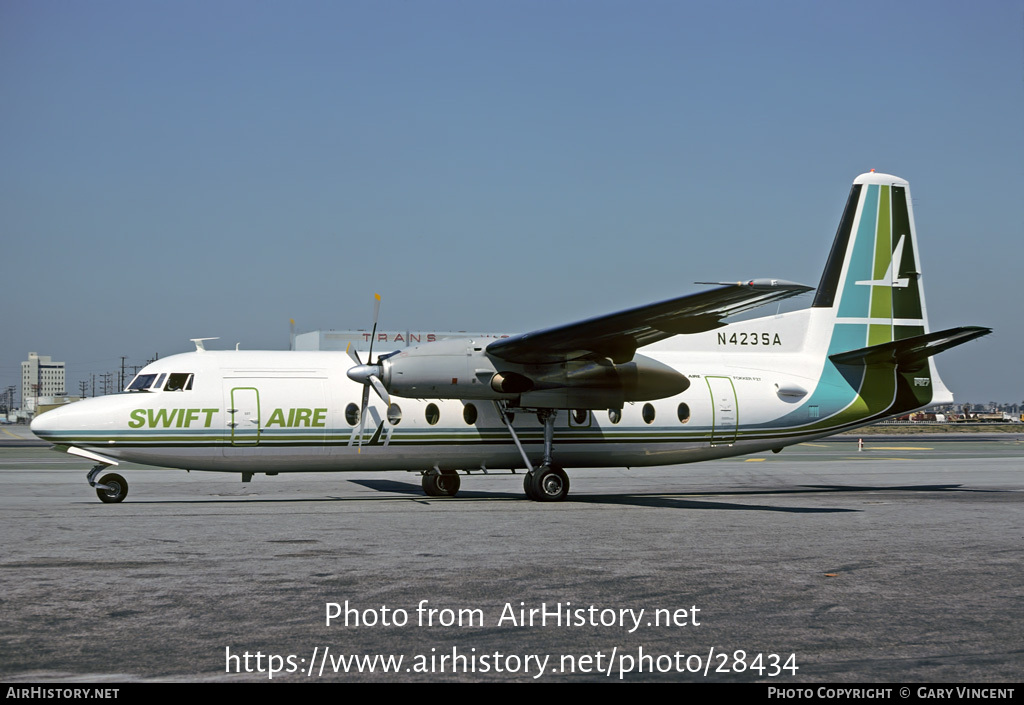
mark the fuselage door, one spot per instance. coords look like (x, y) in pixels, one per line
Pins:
(244, 416)
(725, 417)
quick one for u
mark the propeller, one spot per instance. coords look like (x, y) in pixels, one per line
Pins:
(369, 374)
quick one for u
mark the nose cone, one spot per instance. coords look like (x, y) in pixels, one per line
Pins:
(66, 423)
(44, 424)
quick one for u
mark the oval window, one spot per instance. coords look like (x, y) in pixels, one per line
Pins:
(615, 415)
(469, 414)
(579, 416)
(352, 414)
(684, 413)
(648, 413)
(394, 414)
(433, 414)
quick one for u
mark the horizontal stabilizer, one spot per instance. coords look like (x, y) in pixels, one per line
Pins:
(911, 351)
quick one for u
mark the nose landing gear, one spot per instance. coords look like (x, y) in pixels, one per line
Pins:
(111, 488)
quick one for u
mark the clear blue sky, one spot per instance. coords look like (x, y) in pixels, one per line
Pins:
(184, 169)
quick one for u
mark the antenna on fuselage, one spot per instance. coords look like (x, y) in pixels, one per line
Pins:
(199, 343)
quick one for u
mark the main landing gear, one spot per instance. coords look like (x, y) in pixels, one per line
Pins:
(547, 483)
(443, 483)
(111, 488)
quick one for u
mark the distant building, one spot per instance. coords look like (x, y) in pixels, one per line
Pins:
(385, 340)
(40, 377)
(44, 404)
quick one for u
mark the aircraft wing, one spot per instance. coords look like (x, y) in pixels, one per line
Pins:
(618, 335)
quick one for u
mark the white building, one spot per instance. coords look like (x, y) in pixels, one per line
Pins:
(40, 377)
(386, 340)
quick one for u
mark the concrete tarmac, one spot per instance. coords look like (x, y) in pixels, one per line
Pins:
(901, 563)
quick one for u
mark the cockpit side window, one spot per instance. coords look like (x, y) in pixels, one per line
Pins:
(179, 381)
(159, 381)
(140, 383)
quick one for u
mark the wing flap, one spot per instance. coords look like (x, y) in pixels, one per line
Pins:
(618, 335)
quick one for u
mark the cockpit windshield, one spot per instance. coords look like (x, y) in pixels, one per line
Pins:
(140, 383)
(176, 382)
(179, 381)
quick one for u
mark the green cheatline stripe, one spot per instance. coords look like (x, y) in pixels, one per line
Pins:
(406, 438)
(658, 439)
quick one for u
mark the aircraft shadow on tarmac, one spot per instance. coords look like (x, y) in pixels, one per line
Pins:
(688, 500)
(635, 499)
(680, 500)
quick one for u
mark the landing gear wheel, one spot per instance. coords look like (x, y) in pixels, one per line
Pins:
(445, 484)
(116, 489)
(528, 487)
(548, 483)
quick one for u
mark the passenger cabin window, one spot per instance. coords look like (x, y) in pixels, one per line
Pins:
(648, 413)
(433, 414)
(179, 382)
(352, 414)
(394, 414)
(683, 411)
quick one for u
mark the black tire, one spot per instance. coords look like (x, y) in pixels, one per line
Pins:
(548, 484)
(450, 482)
(118, 489)
(446, 484)
(528, 486)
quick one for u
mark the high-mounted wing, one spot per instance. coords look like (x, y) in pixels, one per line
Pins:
(618, 335)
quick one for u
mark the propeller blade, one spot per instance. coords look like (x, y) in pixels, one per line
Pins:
(376, 312)
(367, 374)
(362, 416)
(353, 354)
(378, 387)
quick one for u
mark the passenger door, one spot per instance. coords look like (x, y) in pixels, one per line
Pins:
(244, 416)
(725, 418)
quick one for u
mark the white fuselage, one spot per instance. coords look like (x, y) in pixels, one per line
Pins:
(281, 411)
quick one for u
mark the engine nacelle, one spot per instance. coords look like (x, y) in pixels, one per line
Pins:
(460, 368)
(455, 368)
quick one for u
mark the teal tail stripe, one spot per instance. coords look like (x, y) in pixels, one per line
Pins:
(856, 300)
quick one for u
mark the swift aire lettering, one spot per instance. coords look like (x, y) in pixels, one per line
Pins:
(168, 418)
(187, 418)
(291, 418)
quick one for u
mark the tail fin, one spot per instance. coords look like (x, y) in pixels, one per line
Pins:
(872, 291)
(873, 274)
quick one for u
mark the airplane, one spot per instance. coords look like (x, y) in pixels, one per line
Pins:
(704, 388)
